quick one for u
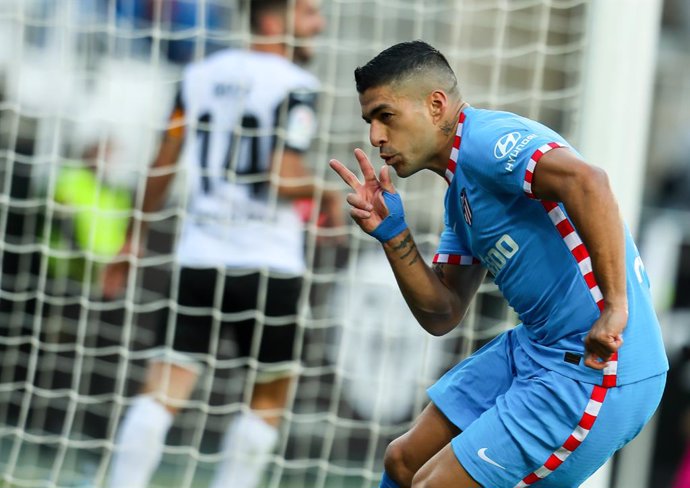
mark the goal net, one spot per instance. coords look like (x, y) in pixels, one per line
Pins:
(85, 87)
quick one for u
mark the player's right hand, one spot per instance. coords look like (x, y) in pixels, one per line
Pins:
(114, 277)
(605, 337)
(367, 206)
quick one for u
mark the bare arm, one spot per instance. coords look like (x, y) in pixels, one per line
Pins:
(157, 184)
(295, 181)
(438, 298)
(293, 178)
(585, 192)
(158, 181)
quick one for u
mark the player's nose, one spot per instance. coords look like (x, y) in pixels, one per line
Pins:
(377, 135)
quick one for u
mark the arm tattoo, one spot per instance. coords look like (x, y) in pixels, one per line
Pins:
(404, 243)
(407, 246)
(438, 270)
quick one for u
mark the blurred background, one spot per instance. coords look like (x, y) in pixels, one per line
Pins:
(85, 90)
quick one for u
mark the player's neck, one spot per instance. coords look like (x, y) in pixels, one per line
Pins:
(271, 48)
(448, 128)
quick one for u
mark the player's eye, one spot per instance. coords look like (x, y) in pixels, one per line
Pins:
(386, 116)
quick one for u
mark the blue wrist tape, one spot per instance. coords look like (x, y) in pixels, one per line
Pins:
(394, 223)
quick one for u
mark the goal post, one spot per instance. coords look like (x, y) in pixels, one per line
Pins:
(85, 87)
(619, 72)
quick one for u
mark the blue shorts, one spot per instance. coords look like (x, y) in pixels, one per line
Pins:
(523, 425)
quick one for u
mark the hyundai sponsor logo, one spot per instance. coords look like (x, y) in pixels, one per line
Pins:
(506, 144)
(511, 145)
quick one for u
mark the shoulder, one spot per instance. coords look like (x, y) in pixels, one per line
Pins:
(276, 70)
(297, 76)
(215, 59)
(482, 124)
(500, 133)
(282, 71)
(212, 65)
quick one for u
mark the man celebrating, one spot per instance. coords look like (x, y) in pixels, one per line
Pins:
(548, 402)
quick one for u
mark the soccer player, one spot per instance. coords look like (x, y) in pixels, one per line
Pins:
(242, 122)
(548, 402)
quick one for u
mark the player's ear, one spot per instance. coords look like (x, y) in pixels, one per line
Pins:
(437, 104)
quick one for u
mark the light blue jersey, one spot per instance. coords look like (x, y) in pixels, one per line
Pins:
(534, 252)
(531, 413)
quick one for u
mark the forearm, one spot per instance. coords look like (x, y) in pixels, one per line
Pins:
(596, 216)
(377, 208)
(302, 187)
(436, 308)
(293, 180)
(597, 219)
(158, 182)
(584, 190)
(586, 195)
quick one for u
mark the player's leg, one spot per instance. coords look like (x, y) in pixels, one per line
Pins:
(458, 399)
(431, 432)
(252, 436)
(549, 430)
(169, 382)
(443, 471)
(269, 399)
(253, 433)
(141, 437)
(623, 413)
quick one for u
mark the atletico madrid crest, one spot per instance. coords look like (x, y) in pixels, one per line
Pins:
(466, 209)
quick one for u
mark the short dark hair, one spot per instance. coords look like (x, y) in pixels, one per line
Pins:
(258, 7)
(402, 61)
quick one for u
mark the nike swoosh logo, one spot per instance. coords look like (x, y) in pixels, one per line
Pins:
(482, 455)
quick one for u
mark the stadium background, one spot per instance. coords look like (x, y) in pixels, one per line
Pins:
(94, 79)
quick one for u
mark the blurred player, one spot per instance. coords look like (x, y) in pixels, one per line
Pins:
(555, 397)
(243, 174)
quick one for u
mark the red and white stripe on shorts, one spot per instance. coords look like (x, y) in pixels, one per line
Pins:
(581, 255)
(573, 442)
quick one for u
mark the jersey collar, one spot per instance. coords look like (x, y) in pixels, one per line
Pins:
(453, 161)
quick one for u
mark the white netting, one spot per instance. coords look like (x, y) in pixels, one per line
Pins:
(92, 80)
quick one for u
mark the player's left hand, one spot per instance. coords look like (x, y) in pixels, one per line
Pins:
(367, 205)
(605, 337)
